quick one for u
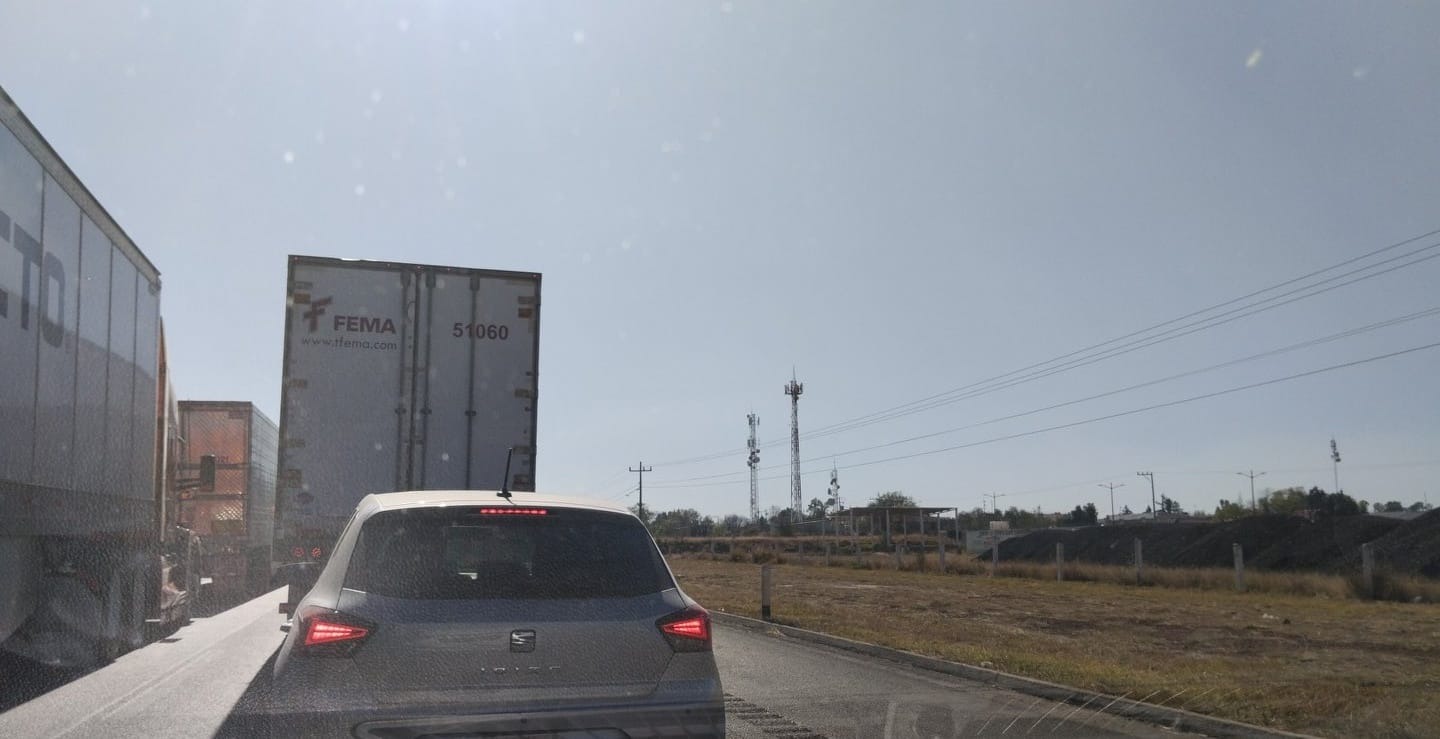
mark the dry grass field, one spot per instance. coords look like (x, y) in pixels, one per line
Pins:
(1303, 658)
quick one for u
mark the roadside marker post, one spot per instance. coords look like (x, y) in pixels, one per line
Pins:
(1059, 561)
(1367, 568)
(940, 538)
(1239, 566)
(1139, 562)
(994, 553)
(765, 592)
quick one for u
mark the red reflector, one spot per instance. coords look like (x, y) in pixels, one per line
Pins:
(315, 553)
(692, 628)
(514, 511)
(299, 552)
(329, 632)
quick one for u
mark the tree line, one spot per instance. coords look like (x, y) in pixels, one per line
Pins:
(1314, 502)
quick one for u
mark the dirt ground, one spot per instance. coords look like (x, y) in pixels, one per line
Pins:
(1332, 667)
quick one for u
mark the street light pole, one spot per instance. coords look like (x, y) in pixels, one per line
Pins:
(1154, 512)
(1112, 487)
(1252, 474)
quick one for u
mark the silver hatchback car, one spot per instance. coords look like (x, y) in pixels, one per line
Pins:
(461, 614)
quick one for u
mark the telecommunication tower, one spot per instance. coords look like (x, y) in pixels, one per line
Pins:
(794, 389)
(754, 462)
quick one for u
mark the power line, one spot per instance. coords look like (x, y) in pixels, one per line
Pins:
(1253, 357)
(914, 406)
(1157, 406)
(1187, 316)
(625, 494)
(1131, 412)
(1262, 355)
(985, 387)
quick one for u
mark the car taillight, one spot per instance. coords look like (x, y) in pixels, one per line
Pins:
(687, 630)
(322, 631)
(328, 632)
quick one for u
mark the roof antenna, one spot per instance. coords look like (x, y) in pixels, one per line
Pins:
(505, 483)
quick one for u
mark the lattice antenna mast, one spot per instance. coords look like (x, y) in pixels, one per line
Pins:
(754, 462)
(794, 389)
(835, 500)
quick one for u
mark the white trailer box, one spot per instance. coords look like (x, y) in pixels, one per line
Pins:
(400, 377)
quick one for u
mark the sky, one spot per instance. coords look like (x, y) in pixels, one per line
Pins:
(890, 200)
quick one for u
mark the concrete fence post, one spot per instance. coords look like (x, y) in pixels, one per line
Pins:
(900, 556)
(994, 554)
(1367, 568)
(1139, 561)
(1059, 561)
(1239, 552)
(765, 592)
(940, 537)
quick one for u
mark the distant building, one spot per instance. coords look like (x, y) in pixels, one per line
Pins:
(980, 540)
(1162, 517)
(1399, 515)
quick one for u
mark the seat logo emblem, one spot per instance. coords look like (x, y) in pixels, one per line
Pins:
(522, 640)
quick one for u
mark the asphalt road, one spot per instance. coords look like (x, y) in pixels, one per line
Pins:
(193, 683)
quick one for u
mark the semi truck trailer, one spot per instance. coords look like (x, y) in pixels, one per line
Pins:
(88, 555)
(398, 377)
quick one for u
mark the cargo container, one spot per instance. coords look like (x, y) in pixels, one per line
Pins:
(230, 452)
(84, 547)
(399, 377)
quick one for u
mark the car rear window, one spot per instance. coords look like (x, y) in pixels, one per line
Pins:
(464, 553)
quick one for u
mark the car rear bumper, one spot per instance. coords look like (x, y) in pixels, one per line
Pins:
(611, 722)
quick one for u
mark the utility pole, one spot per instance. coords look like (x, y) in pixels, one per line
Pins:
(1252, 474)
(642, 470)
(754, 462)
(1335, 459)
(1154, 512)
(995, 500)
(1112, 486)
(794, 389)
